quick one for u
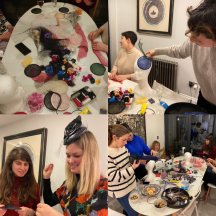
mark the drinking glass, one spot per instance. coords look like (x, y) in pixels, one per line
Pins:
(40, 3)
(54, 3)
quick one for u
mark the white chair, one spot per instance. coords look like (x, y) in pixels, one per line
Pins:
(188, 211)
(210, 186)
(112, 212)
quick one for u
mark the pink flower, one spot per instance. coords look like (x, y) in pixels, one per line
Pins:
(35, 102)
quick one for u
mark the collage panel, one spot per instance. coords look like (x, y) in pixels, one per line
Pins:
(161, 164)
(162, 56)
(54, 56)
(53, 165)
(116, 95)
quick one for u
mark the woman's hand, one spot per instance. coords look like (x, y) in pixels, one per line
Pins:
(48, 171)
(143, 162)
(100, 46)
(209, 164)
(210, 160)
(2, 211)
(45, 210)
(154, 153)
(120, 78)
(26, 211)
(94, 34)
(10, 28)
(112, 75)
(150, 53)
(135, 164)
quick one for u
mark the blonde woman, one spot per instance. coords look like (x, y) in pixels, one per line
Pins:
(84, 191)
(160, 153)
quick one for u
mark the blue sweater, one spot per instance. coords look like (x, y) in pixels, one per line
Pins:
(137, 147)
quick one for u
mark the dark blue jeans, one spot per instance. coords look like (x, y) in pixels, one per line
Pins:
(126, 206)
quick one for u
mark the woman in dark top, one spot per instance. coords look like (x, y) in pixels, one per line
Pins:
(18, 186)
(84, 192)
(208, 148)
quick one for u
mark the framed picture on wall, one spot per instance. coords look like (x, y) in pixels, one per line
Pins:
(155, 16)
(34, 142)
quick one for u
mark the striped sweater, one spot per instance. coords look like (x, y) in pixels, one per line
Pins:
(121, 178)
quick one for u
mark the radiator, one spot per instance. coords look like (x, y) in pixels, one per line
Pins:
(164, 72)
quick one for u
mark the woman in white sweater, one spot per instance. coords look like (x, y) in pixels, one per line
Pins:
(121, 178)
(201, 47)
(123, 67)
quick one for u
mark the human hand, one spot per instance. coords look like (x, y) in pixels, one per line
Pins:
(25, 211)
(112, 75)
(209, 164)
(88, 2)
(154, 153)
(78, 1)
(99, 46)
(210, 160)
(150, 53)
(5, 36)
(135, 164)
(47, 171)
(120, 78)
(2, 211)
(143, 162)
(10, 28)
(44, 210)
(94, 34)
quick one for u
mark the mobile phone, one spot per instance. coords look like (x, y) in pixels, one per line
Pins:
(10, 207)
(23, 48)
(82, 97)
(144, 182)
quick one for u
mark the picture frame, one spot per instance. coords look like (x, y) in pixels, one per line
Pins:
(136, 122)
(35, 143)
(155, 16)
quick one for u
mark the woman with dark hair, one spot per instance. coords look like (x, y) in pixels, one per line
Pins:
(123, 67)
(208, 148)
(18, 186)
(201, 47)
(210, 175)
(120, 172)
(84, 192)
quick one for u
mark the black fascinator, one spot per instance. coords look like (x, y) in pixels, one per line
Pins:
(73, 131)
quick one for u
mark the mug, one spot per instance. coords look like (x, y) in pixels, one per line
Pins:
(54, 3)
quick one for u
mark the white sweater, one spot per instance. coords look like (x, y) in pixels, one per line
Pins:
(121, 178)
(204, 64)
(124, 63)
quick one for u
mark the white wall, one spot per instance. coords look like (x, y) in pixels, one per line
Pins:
(123, 17)
(155, 129)
(55, 151)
